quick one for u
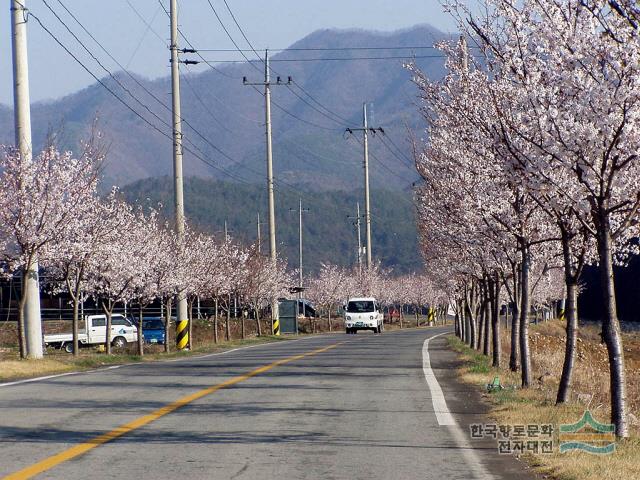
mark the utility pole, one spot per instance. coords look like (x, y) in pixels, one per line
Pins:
(22, 117)
(367, 202)
(357, 223)
(226, 231)
(300, 212)
(259, 238)
(272, 209)
(182, 316)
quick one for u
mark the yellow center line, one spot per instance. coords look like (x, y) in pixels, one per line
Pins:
(57, 459)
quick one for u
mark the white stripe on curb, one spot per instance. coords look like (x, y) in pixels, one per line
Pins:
(437, 397)
(444, 417)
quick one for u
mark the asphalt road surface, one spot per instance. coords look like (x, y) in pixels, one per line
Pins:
(326, 407)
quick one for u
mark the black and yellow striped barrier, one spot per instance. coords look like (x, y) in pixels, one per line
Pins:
(276, 326)
(432, 315)
(182, 334)
(563, 317)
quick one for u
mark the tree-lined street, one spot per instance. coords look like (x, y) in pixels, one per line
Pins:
(361, 409)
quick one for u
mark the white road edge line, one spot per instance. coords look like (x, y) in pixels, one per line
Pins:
(113, 367)
(444, 417)
(437, 397)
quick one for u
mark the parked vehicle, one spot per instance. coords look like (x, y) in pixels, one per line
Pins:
(95, 333)
(153, 330)
(363, 314)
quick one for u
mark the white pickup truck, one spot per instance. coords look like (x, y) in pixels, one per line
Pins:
(95, 332)
(363, 314)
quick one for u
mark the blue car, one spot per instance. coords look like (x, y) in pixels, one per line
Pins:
(153, 330)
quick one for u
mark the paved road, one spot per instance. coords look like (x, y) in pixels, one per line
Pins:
(353, 407)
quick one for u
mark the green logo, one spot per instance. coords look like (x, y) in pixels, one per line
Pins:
(588, 435)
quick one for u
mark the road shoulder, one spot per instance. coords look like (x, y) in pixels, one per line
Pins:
(468, 407)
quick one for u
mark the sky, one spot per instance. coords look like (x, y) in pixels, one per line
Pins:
(138, 41)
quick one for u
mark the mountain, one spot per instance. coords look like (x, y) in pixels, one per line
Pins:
(313, 153)
(328, 235)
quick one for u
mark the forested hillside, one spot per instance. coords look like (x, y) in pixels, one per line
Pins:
(224, 119)
(329, 236)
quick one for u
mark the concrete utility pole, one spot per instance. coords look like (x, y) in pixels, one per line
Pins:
(357, 223)
(272, 209)
(300, 211)
(22, 117)
(367, 202)
(182, 316)
(259, 238)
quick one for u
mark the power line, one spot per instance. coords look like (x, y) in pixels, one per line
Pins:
(260, 58)
(382, 164)
(241, 30)
(335, 59)
(165, 123)
(405, 161)
(145, 21)
(125, 104)
(329, 49)
(195, 94)
(209, 64)
(230, 36)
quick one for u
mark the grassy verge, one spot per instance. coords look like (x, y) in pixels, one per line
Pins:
(515, 406)
(61, 362)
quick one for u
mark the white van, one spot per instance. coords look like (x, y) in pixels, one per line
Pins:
(363, 314)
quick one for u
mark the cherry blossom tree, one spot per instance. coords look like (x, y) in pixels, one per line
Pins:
(42, 202)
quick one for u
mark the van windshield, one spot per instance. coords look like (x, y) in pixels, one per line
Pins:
(360, 306)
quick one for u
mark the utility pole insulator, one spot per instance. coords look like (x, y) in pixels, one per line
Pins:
(190, 62)
(188, 50)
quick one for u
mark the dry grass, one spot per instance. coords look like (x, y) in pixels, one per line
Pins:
(60, 362)
(536, 405)
(12, 369)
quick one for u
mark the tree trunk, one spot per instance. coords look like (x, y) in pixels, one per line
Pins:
(22, 338)
(108, 310)
(570, 346)
(488, 317)
(611, 332)
(515, 321)
(525, 306)
(140, 334)
(215, 322)
(74, 293)
(456, 325)
(258, 329)
(329, 318)
(471, 324)
(167, 324)
(495, 323)
(242, 329)
(227, 327)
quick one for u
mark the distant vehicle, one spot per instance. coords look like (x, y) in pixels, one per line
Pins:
(363, 314)
(153, 330)
(95, 333)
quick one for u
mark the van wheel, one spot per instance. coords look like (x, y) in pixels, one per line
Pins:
(119, 342)
(68, 347)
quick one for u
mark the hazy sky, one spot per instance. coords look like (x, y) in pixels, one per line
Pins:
(273, 24)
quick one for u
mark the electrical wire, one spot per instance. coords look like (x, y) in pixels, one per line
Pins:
(330, 49)
(125, 104)
(335, 59)
(140, 84)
